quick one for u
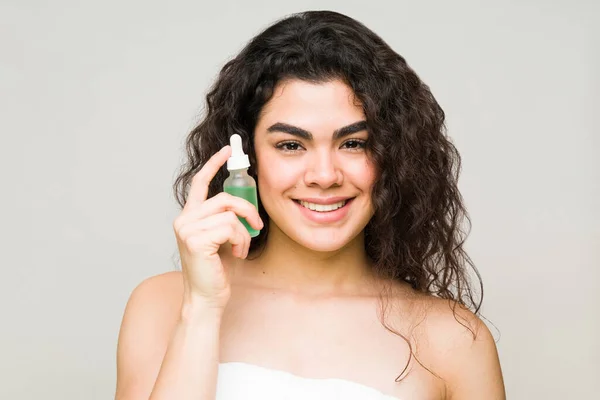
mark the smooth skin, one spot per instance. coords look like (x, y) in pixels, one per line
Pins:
(308, 303)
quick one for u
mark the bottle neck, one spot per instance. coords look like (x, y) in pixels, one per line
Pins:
(238, 172)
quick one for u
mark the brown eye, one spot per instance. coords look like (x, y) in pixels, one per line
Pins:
(354, 144)
(289, 146)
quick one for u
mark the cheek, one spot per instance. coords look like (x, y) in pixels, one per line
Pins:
(362, 174)
(276, 173)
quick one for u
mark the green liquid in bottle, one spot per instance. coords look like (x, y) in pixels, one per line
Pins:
(249, 194)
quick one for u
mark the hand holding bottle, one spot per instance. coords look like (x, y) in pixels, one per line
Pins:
(203, 227)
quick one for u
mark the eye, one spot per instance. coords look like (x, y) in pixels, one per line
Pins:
(354, 144)
(289, 147)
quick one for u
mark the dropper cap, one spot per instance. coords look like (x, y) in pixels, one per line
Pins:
(238, 159)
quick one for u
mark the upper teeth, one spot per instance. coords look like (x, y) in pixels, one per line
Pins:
(323, 207)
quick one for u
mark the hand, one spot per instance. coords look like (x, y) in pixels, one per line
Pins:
(203, 227)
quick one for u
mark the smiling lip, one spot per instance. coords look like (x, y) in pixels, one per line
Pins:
(324, 201)
(326, 217)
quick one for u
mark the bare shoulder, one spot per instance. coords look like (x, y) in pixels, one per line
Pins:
(160, 287)
(448, 324)
(461, 350)
(158, 296)
(150, 316)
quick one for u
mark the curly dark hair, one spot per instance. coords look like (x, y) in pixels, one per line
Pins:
(415, 235)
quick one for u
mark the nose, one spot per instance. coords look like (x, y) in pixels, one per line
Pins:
(322, 170)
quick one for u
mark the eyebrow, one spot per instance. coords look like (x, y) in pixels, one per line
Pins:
(304, 134)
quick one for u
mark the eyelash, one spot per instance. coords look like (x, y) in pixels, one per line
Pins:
(282, 146)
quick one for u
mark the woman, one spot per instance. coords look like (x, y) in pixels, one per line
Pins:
(357, 286)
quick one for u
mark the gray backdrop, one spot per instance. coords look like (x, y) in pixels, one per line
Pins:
(96, 99)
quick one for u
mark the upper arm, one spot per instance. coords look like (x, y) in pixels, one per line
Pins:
(475, 371)
(149, 319)
(463, 353)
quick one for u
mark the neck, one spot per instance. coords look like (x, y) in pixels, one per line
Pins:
(286, 265)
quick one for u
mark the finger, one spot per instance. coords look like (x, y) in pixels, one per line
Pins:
(223, 234)
(239, 249)
(199, 188)
(240, 241)
(226, 202)
(218, 229)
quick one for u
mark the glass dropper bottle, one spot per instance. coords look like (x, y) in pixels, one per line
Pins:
(239, 183)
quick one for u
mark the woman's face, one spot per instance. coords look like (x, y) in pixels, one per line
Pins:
(314, 176)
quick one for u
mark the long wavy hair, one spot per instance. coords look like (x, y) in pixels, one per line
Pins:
(416, 234)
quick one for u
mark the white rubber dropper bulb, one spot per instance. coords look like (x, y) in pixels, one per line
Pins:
(238, 159)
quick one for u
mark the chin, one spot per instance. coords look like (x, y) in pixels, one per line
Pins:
(325, 240)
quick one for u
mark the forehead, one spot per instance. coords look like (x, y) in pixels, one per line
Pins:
(305, 103)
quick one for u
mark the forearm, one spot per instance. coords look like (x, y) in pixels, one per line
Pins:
(189, 368)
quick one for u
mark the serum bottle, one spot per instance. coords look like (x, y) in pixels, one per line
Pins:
(239, 183)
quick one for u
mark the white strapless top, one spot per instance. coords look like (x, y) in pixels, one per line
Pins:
(243, 381)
